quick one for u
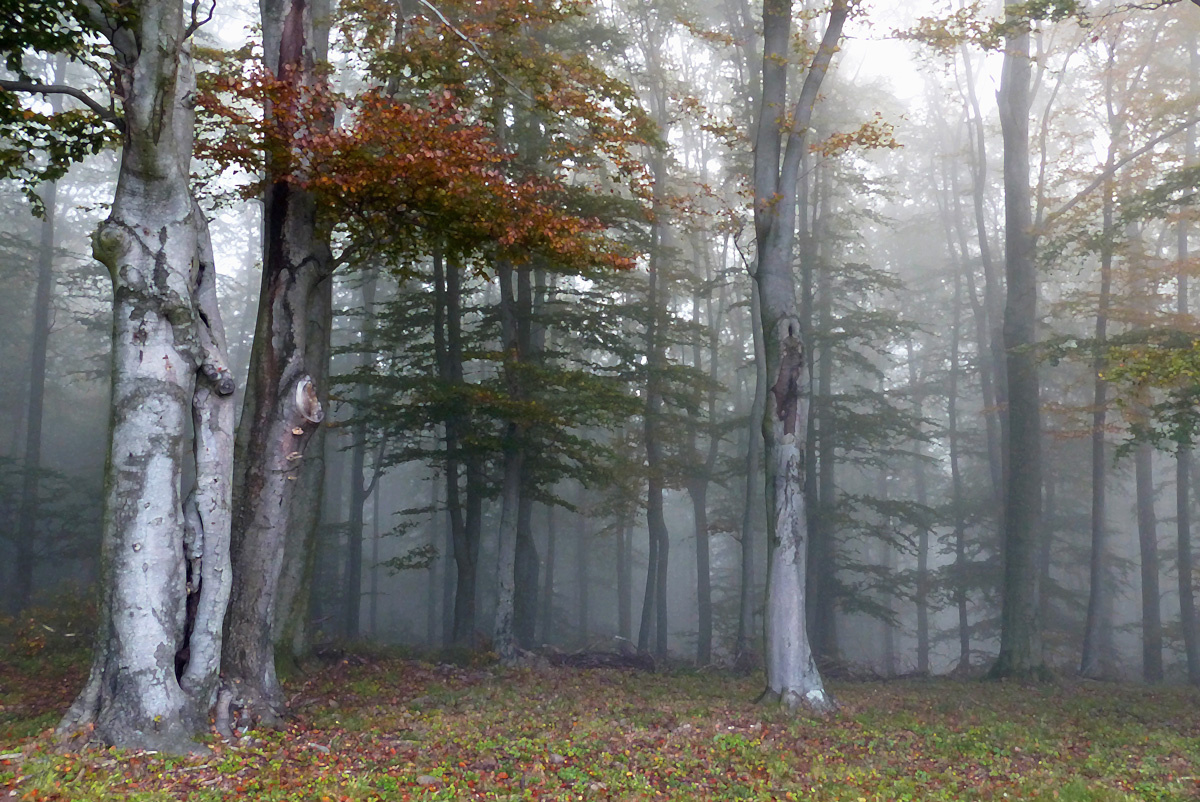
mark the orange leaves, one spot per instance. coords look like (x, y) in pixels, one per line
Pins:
(425, 172)
(875, 133)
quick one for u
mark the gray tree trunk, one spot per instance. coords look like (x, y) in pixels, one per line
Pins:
(169, 361)
(361, 485)
(1183, 460)
(504, 639)
(922, 589)
(751, 512)
(1020, 626)
(992, 371)
(1152, 637)
(285, 397)
(792, 675)
(531, 339)
(21, 590)
(547, 596)
(1097, 632)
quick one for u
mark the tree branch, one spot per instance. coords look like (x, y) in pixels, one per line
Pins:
(36, 88)
(1109, 173)
(483, 57)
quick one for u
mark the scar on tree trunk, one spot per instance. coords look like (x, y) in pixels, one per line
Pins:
(789, 381)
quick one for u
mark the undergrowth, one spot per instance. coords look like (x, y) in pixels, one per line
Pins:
(385, 728)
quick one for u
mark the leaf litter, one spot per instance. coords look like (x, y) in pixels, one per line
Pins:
(382, 729)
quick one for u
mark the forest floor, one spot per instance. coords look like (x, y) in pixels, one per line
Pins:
(385, 728)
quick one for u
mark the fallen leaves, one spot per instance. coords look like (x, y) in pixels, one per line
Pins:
(559, 733)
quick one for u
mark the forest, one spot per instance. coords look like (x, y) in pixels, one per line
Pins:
(800, 353)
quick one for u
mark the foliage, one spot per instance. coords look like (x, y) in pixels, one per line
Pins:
(37, 145)
(373, 728)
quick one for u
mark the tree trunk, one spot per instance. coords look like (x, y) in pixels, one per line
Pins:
(21, 590)
(285, 396)
(747, 601)
(649, 596)
(525, 607)
(530, 340)
(291, 629)
(584, 607)
(792, 675)
(433, 589)
(465, 520)
(1183, 459)
(625, 580)
(361, 486)
(504, 638)
(922, 589)
(822, 549)
(956, 482)
(1020, 626)
(992, 371)
(1097, 632)
(704, 465)
(547, 596)
(154, 667)
(1152, 639)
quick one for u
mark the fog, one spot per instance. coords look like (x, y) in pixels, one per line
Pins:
(899, 269)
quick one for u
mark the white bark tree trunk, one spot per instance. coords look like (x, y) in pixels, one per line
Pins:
(792, 675)
(154, 670)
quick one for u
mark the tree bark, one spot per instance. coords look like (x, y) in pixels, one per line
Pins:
(286, 395)
(922, 589)
(1152, 639)
(743, 649)
(792, 675)
(822, 549)
(531, 338)
(547, 596)
(624, 580)
(992, 378)
(1183, 457)
(1020, 626)
(361, 486)
(582, 583)
(1097, 632)
(504, 639)
(153, 676)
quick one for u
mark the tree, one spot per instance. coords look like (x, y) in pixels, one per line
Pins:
(1020, 640)
(286, 394)
(792, 675)
(166, 566)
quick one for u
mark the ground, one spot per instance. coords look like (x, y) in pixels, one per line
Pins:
(385, 728)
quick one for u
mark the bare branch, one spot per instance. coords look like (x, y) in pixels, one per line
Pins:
(196, 22)
(1107, 174)
(36, 88)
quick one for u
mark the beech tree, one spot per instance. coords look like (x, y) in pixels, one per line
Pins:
(286, 394)
(792, 674)
(165, 576)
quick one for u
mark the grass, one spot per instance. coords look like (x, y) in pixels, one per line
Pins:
(391, 729)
